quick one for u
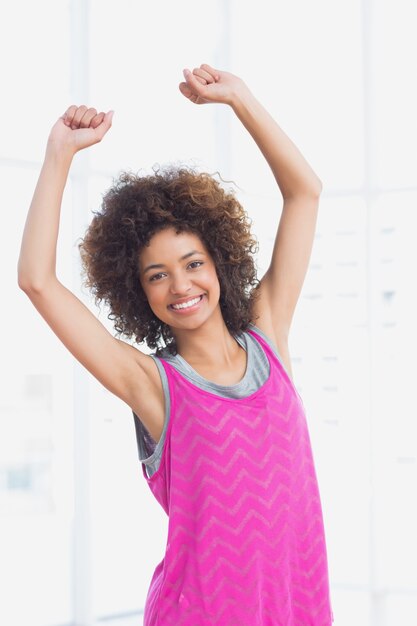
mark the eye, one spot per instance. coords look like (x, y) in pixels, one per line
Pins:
(155, 276)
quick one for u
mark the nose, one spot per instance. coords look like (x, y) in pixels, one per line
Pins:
(180, 284)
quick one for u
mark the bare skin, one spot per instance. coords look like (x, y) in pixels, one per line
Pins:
(201, 334)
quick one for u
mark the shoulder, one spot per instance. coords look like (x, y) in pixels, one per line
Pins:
(150, 367)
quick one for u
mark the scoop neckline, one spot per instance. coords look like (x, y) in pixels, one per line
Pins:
(228, 399)
(218, 386)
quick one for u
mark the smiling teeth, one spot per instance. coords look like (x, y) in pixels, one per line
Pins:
(186, 304)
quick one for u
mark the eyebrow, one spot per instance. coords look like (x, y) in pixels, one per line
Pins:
(160, 265)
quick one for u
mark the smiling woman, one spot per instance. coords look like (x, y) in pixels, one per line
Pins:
(215, 405)
(145, 223)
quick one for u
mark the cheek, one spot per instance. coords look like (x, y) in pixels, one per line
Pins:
(211, 273)
(214, 284)
(154, 296)
(157, 296)
(215, 277)
(150, 294)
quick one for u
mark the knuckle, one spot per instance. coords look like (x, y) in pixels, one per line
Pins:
(69, 113)
(97, 119)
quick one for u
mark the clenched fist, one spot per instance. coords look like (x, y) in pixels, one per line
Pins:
(206, 84)
(78, 128)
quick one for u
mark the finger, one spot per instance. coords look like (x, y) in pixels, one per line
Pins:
(69, 115)
(87, 117)
(202, 81)
(193, 83)
(190, 94)
(104, 126)
(78, 116)
(197, 71)
(210, 70)
(97, 119)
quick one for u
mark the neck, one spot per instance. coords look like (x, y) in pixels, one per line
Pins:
(210, 345)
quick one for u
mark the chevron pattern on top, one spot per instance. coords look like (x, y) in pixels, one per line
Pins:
(246, 542)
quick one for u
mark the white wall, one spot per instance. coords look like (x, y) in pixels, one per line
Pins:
(80, 533)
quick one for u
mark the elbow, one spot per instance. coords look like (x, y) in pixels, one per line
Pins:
(28, 286)
(307, 191)
(32, 280)
(22, 282)
(24, 285)
(316, 188)
(23, 279)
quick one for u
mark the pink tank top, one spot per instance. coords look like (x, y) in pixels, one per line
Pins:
(246, 543)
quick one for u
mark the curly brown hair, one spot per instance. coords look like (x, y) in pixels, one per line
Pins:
(133, 210)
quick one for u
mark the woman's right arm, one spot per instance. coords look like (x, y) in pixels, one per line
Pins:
(120, 367)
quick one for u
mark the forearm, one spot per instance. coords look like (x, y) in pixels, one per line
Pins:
(293, 174)
(37, 260)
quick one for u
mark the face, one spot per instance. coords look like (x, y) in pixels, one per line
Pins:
(178, 269)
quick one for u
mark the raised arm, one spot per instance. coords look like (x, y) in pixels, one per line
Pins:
(78, 128)
(121, 368)
(281, 285)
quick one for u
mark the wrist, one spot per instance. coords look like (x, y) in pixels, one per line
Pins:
(59, 153)
(240, 95)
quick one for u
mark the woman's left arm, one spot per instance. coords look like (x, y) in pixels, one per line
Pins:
(281, 284)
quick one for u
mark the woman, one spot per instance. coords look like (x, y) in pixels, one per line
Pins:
(221, 428)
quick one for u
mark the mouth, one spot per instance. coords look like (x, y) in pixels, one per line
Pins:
(185, 307)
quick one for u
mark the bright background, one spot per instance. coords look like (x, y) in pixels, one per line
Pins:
(80, 532)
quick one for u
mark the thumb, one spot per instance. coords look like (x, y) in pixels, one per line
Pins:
(194, 84)
(102, 128)
(185, 90)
